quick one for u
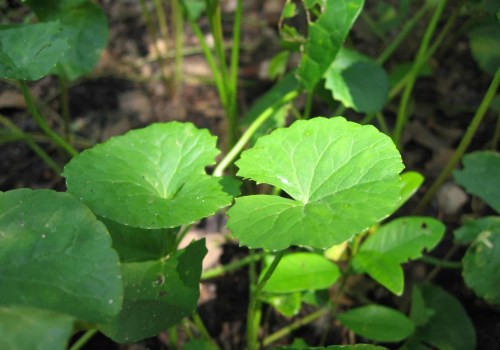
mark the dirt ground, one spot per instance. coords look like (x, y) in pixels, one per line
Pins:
(125, 92)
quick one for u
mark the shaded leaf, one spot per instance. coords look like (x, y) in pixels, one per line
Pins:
(151, 178)
(301, 271)
(481, 176)
(325, 38)
(34, 329)
(58, 254)
(158, 294)
(287, 304)
(30, 51)
(485, 45)
(471, 229)
(378, 323)
(419, 313)
(481, 266)
(342, 178)
(199, 344)
(383, 269)
(335, 347)
(357, 81)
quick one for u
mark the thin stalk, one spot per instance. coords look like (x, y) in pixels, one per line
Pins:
(496, 135)
(252, 325)
(221, 270)
(182, 233)
(219, 83)
(382, 123)
(389, 50)
(419, 60)
(58, 140)
(308, 107)
(63, 87)
(372, 25)
(238, 147)
(186, 326)
(464, 143)
(173, 337)
(445, 264)
(83, 339)
(295, 325)
(162, 23)
(201, 327)
(438, 268)
(152, 33)
(178, 20)
(215, 19)
(29, 141)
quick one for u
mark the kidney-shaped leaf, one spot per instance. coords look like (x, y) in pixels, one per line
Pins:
(158, 294)
(302, 271)
(151, 178)
(325, 39)
(34, 329)
(342, 178)
(405, 238)
(357, 81)
(378, 323)
(481, 266)
(56, 255)
(85, 26)
(481, 176)
(31, 51)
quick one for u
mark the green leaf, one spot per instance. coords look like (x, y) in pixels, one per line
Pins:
(481, 176)
(85, 26)
(473, 228)
(485, 46)
(158, 294)
(289, 10)
(301, 271)
(405, 238)
(342, 177)
(335, 347)
(277, 65)
(151, 178)
(137, 244)
(410, 183)
(199, 344)
(449, 327)
(481, 266)
(419, 313)
(311, 3)
(357, 81)
(58, 254)
(326, 36)
(383, 269)
(287, 304)
(34, 329)
(29, 52)
(194, 8)
(378, 323)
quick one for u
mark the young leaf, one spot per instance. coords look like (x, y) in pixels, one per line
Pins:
(405, 238)
(325, 39)
(449, 327)
(342, 177)
(58, 254)
(410, 183)
(24, 328)
(481, 266)
(383, 269)
(473, 228)
(30, 51)
(158, 294)
(85, 26)
(357, 81)
(297, 272)
(151, 178)
(378, 323)
(481, 176)
(287, 304)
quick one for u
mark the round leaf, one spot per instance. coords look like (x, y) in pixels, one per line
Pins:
(481, 176)
(151, 178)
(34, 329)
(58, 254)
(405, 238)
(342, 177)
(158, 294)
(358, 82)
(31, 51)
(481, 266)
(378, 323)
(302, 271)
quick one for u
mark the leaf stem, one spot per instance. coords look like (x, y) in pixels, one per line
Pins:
(238, 147)
(252, 320)
(178, 20)
(308, 107)
(83, 339)
(201, 328)
(464, 143)
(58, 140)
(221, 270)
(419, 60)
(63, 86)
(441, 263)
